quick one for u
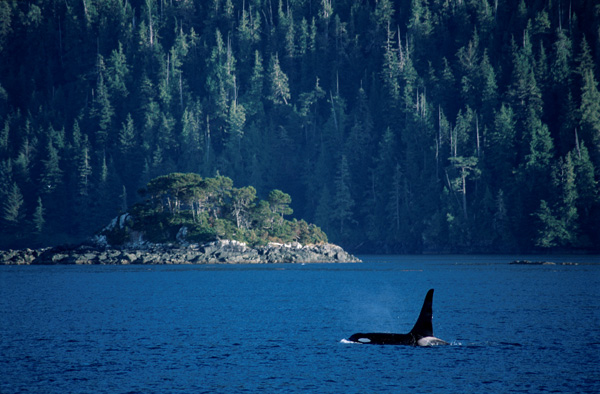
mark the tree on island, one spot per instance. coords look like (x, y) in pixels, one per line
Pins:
(211, 209)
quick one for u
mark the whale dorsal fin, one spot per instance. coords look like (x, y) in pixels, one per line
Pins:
(423, 327)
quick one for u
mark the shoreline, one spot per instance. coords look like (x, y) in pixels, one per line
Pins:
(217, 252)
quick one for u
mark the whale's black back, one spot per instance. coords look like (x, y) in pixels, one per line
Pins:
(422, 328)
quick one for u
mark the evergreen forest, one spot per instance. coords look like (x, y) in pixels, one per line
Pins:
(404, 126)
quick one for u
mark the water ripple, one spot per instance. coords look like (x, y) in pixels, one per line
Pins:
(249, 329)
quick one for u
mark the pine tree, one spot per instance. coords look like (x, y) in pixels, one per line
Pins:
(253, 98)
(420, 22)
(117, 74)
(150, 116)
(542, 68)
(524, 89)
(286, 22)
(343, 201)
(248, 29)
(585, 177)
(4, 133)
(587, 195)
(13, 209)
(541, 145)
(489, 91)
(561, 67)
(51, 176)
(559, 224)
(220, 79)
(501, 224)
(550, 228)
(279, 203)
(465, 167)
(447, 88)
(23, 162)
(5, 22)
(177, 56)
(561, 82)
(378, 187)
(469, 60)
(590, 114)
(564, 180)
(395, 203)
(102, 110)
(308, 103)
(359, 141)
(324, 208)
(391, 68)
(384, 12)
(462, 142)
(279, 90)
(236, 120)
(235, 129)
(242, 202)
(585, 61)
(542, 23)
(127, 137)
(501, 155)
(84, 169)
(191, 138)
(166, 137)
(38, 217)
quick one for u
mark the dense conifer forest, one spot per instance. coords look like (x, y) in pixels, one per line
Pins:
(396, 126)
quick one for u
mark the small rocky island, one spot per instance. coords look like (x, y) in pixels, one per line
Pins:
(187, 219)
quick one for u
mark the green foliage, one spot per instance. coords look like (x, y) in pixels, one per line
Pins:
(399, 126)
(51, 175)
(279, 203)
(559, 223)
(210, 209)
(590, 109)
(127, 135)
(279, 90)
(551, 231)
(38, 217)
(12, 206)
(343, 201)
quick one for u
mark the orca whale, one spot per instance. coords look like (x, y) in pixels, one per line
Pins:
(420, 335)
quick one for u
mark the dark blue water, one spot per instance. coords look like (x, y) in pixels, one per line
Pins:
(278, 328)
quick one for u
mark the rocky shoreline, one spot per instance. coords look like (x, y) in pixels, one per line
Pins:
(217, 252)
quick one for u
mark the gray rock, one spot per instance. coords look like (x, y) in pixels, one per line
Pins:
(217, 252)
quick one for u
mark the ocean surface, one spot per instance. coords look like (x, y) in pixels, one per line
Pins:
(281, 328)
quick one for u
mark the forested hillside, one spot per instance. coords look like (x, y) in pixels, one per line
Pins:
(396, 126)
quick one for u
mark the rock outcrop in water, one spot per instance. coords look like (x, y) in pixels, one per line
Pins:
(527, 262)
(217, 252)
